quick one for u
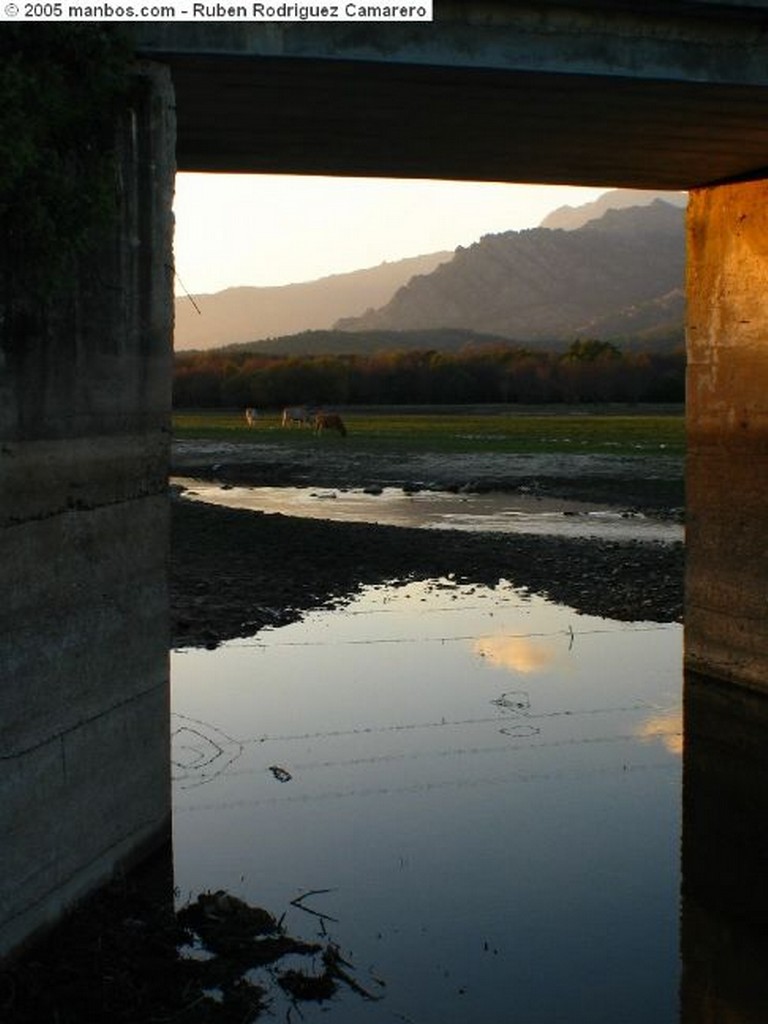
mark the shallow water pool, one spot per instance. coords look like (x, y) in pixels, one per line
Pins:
(497, 512)
(473, 793)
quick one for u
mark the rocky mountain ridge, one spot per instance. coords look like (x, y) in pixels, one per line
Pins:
(620, 274)
(571, 217)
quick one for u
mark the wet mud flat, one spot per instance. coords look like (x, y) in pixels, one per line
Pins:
(648, 482)
(234, 572)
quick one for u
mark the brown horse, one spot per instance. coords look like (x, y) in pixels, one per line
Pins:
(329, 421)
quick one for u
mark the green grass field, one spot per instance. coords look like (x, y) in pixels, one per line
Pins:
(614, 431)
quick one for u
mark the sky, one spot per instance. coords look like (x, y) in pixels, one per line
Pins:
(263, 230)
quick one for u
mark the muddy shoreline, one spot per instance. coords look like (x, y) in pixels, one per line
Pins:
(234, 572)
(643, 482)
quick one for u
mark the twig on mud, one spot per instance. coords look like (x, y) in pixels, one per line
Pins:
(298, 902)
(333, 961)
(310, 892)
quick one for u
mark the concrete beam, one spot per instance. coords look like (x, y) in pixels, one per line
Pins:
(280, 115)
(683, 41)
(634, 95)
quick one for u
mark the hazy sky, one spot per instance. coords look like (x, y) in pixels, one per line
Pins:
(276, 229)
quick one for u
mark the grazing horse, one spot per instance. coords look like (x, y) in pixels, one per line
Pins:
(250, 416)
(329, 421)
(298, 414)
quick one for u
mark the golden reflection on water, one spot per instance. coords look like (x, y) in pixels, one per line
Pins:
(518, 653)
(666, 728)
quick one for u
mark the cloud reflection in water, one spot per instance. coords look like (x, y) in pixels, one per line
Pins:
(519, 653)
(666, 728)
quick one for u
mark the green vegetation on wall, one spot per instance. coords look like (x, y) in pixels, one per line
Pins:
(61, 87)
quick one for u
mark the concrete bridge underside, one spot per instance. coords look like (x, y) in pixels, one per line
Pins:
(313, 116)
(671, 95)
(642, 95)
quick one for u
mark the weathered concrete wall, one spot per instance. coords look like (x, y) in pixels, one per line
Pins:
(724, 910)
(84, 433)
(726, 616)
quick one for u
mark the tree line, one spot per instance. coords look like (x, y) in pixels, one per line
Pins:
(588, 371)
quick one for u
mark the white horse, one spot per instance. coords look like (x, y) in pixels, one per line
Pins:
(297, 414)
(250, 416)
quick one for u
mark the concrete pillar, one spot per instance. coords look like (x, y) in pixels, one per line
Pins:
(726, 609)
(724, 907)
(84, 436)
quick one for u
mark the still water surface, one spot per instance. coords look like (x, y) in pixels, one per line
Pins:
(496, 512)
(482, 787)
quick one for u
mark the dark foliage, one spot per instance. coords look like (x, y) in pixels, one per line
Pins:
(61, 87)
(588, 371)
(337, 342)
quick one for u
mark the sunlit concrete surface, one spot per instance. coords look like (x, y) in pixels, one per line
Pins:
(727, 408)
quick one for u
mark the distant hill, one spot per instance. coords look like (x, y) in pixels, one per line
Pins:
(319, 343)
(617, 275)
(571, 217)
(247, 314)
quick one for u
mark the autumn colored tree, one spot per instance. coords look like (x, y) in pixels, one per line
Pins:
(589, 371)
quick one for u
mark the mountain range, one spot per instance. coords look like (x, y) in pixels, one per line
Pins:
(571, 217)
(617, 276)
(251, 313)
(612, 269)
